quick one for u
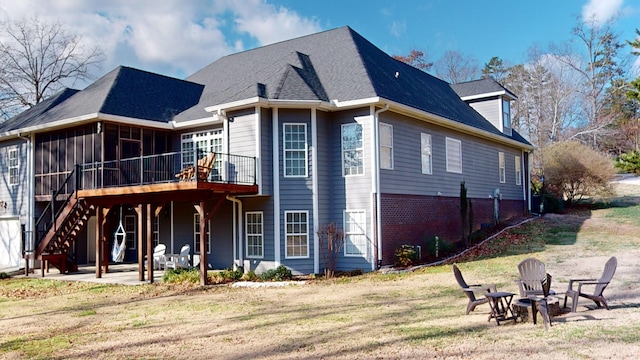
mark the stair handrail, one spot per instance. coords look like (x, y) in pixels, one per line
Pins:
(50, 209)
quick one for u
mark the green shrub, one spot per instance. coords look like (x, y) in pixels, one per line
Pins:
(629, 162)
(180, 275)
(4, 275)
(406, 255)
(280, 273)
(250, 276)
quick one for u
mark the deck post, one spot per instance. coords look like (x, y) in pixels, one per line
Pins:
(149, 232)
(203, 245)
(140, 212)
(99, 223)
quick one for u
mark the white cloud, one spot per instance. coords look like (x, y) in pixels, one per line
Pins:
(172, 37)
(268, 23)
(398, 28)
(600, 10)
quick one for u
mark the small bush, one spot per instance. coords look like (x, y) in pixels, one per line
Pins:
(629, 162)
(4, 275)
(250, 276)
(180, 275)
(280, 273)
(406, 255)
(576, 171)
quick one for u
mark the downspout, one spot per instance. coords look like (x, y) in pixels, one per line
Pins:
(29, 223)
(237, 231)
(376, 152)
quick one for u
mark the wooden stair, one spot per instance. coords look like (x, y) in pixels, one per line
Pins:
(57, 246)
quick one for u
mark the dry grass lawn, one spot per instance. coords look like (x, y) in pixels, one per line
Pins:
(414, 315)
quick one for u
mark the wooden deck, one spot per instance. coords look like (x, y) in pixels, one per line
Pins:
(182, 191)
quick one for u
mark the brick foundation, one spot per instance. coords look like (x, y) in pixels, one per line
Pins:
(411, 219)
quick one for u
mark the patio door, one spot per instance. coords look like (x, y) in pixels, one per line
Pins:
(197, 145)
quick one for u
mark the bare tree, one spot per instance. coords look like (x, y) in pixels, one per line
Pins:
(454, 67)
(597, 66)
(416, 58)
(36, 58)
(545, 110)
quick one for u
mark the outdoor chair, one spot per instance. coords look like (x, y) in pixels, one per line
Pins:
(471, 290)
(599, 286)
(205, 165)
(179, 260)
(158, 257)
(532, 276)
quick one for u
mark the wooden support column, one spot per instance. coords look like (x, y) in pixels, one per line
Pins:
(203, 244)
(150, 216)
(99, 230)
(139, 211)
(205, 216)
(102, 243)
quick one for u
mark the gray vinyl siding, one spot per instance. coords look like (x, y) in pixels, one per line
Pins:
(326, 156)
(221, 230)
(490, 109)
(266, 152)
(263, 204)
(14, 196)
(351, 192)
(296, 193)
(242, 132)
(479, 163)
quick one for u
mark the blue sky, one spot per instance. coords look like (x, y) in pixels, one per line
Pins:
(177, 37)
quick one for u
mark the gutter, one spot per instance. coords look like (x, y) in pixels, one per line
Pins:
(237, 231)
(29, 223)
(376, 186)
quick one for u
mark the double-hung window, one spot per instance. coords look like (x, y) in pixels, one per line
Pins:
(352, 150)
(297, 234)
(14, 167)
(425, 151)
(196, 234)
(386, 146)
(518, 171)
(254, 233)
(502, 170)
(295, 150)
(355, 241)
(454, 155)
(506, 114)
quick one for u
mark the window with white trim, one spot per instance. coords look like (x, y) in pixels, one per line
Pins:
(254, 234)
(355, 240)
(130, 228)
(196, 234)
(297, 234)
(386, 146)
(506, 114)
(425, 151)
(295, 150)
(454, 155)
(352, 150)
(14, 167)
(518, 171)
(502, 170)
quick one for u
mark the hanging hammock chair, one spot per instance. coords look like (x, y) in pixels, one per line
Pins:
(119, 242)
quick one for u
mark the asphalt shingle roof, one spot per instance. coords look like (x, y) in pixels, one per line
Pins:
(335, 64)
(478, 87)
